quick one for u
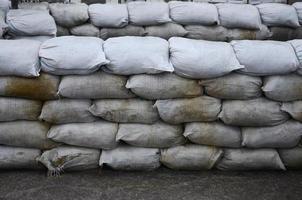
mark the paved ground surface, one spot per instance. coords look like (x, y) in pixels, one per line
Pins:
(161, 184)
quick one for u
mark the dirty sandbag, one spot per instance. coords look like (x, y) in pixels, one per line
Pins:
(166, 30)
(213, 134)
(212, 33)
(163, 86)
(85, 30)
(297, 45)
(176, 111)
(157, 135)
(190, 157)
(292, 158)
(126, 157)
(99, 134)
(298, 7)
(293, 108)
(34, 6)
(244, 34)
(62, 31)
(129, 30)
(283, 33)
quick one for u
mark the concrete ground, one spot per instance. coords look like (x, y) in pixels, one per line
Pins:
(162, 184)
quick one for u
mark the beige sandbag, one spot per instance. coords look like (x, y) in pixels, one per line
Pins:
(293, 108)
(166, 31)
(292, 158)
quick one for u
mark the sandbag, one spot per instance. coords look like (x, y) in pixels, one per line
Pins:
(34, 6)
(244, 34)
(250, 159)
(87, 56)
(294, 109)
(298, 7)
(190, 157)
(255, 2)
(202, 59)
(62, 31)
(66, 111)
(3, 25)
(292, 158)
(98, 85)
(259, 59)
(233, 86)
(163, 86)
(127, 55)
(85, 30)
(166, 30)
(35, 38)
(254, 112)
(297, 45)
(131, 158)
(157, 135)
(5, 5)
(213, 134)
(124, 110)
(176, 111)
(129, 30)
(283, 33)
(108, 15)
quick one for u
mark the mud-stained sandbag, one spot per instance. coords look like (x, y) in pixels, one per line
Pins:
(213, 134)
(190, 157)
(233, 86)
(244, 34)
(127, 55)
(124, 110)
(62, 31)
(157, 135)
(254, 112)
(129, 30)
(131, 158)
(176, 111)
(85, 30)
(34, 6)
(294, 109)
(163, 86)
(166, 30)
(298, 7)
(66, 111)
(292, 158)
(98, 85)
(297, 45)
(250, 159)
(283, 33)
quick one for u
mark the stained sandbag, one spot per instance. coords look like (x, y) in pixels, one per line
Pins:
(127, 55)
(254, 112)
(85, 30)
(244, 34)
(190, 157)
(233, 86)
(163, 86)
(166, 30)
(292, 158)
(283, 33)
(131, 158)
(124, 110)
(293, 108)
(202, 59)
(34, 6)
(157, 135)
(297, 45)
(62, 31)
(298, 7)
(176, 111)
(129, 30)
(213, 134)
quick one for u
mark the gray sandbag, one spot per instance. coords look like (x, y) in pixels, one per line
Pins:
(297, 45)
(255, 2)
(259, 59)
(27, 52)
(98, 135)
(34, 6)
(148, 13)
(3, 25)
(254, 112)
(294, 109)
(69, 15)
(283, 88)
(283, 33)
(192, 13)
(108, 15)
(275, 14)
(137, 55)
(35, 38)
(66, 111)
(98, 85)
(5, 5)
(157, 135)
(125, 110)
(213, 134)
(166, 30)
(286, 135)
(176, 111)
(202, 59)
(62, 31)
(87, 56)
(250, 159)
(233, 86)
(292, 158)
(190, 157)
(131, 158)
(298, 7)
(129, 30)
(163, 86)
(85, 30)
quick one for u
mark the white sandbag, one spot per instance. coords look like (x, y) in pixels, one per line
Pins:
(129, 30)
(124, 110)
(202, 59)
(136, 55)
(148, 13)
(87, 56)
(275, 14)
(19, 58)
(187, 13)
(213, 134)
(248, 159)
(286, 135)
(163, 86)
(254, 112)
(34, 6)
(131, 158)
(294, 109)
(176, 111)
(259, 59)
(233, 86)
(108, 15)
(190, 157)
(298, 7)
(85, 30)
(239, 16)
(69, 15)
(35, 38)
(98, 85)
(62, 31)
(292, 158)
(5, 5)
(297, 45)
(66, 111)
(166, 30)
(157, 135)
(283, 88)
(3, 25)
